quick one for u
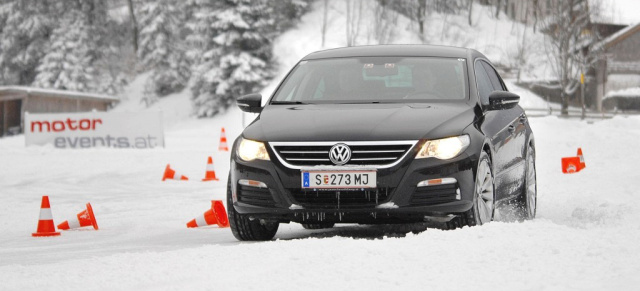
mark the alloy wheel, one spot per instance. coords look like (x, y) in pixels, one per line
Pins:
(532, 190)
(484, 192)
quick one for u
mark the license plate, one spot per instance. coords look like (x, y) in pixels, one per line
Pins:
(338, 179)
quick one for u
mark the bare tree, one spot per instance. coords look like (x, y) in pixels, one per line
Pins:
(565, 37)
(354, 17)
(325, 15)
(470, 5)
(134, 26)
(384, 23)
(421, 15)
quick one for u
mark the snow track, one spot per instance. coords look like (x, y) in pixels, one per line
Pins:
(585, 236)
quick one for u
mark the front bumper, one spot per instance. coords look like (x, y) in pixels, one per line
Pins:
(281, 202)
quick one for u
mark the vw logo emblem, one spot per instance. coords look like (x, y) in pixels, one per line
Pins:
(340, 154)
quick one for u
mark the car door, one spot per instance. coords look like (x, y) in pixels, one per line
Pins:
(506, 131)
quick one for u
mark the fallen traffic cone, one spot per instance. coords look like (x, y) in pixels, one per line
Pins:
(582, 164)
(223, 142)
(172, 175)
(215, 215)
(84, 218)
(571, 165)
(210, 174)
(45, 223)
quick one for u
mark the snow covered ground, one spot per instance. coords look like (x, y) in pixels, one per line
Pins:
(585, 236)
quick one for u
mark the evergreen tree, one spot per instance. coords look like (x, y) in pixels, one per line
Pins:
(24, 39)
(67, 64)
(161, 49)
(76, 47)
(237, 59)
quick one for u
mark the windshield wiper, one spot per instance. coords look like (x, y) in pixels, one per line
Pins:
(287, 102)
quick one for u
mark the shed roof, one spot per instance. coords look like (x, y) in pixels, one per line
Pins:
(618, 36)
(55, 93)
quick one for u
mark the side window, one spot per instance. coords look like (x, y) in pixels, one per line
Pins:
(493, 76)
(484, 83)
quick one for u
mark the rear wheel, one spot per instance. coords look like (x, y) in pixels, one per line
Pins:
(528, 200)
(317, 225)
(246, 229)
(483, 199)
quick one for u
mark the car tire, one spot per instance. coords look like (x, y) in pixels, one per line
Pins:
(246, 229)
(317, 225)
(483, 208)
(527, 202)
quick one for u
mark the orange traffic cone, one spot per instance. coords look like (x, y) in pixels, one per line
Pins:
(45, 223)
(172, 175)
(571, 165)
(210, 174)
(84, 218)
(223, 142)
(216, 215)
(582, 164)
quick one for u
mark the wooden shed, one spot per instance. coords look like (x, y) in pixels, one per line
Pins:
(15, 101)
(618, 65)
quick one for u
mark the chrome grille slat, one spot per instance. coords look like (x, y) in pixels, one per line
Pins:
(365, 152)
(374, 154)
(303, 152)
(374, 159)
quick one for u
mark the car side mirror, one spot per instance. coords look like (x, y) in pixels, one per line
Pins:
(250, 103)
(500, 100)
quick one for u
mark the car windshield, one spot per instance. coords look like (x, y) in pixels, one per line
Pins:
(374, 79)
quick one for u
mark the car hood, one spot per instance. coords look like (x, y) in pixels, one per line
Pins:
(359, 122)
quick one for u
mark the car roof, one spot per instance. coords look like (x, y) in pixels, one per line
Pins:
(393, 50)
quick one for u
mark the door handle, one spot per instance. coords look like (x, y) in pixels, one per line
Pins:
(512, 129)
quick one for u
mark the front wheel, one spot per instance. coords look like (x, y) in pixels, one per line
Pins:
(483, 198)
(528, 200)
(246, 229)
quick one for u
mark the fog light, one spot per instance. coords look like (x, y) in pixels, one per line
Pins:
(434, 182)
(252, 183)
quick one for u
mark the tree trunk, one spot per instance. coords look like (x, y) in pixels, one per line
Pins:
(565, 103)
(134, 26)
(470, 12)
(498, 4)
(324, 20)
(422, 11)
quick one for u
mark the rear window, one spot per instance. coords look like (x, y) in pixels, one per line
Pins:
(375, 79)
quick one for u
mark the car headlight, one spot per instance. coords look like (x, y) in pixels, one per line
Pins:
(444, 149)
(250, 150)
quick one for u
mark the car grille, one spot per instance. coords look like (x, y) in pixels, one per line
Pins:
(436, 194)
(255, 196)
(341, 199)
(378, 154)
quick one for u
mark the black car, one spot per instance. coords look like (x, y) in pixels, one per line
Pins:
(382, 135)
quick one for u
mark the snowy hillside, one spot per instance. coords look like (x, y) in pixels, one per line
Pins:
(175, 108)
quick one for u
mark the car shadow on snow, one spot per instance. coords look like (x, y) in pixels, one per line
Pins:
(355, 231)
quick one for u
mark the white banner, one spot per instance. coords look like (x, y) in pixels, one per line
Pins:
(141, 130)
